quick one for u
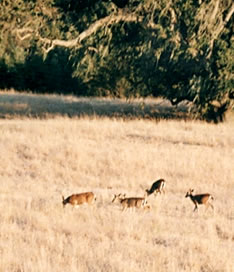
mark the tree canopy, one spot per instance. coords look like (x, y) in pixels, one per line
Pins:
(181, 50)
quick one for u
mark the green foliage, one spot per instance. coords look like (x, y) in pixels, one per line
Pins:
(179, 50)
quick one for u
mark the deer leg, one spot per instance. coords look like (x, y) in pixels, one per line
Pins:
(210, 205)
(196, 208)
(124, 208)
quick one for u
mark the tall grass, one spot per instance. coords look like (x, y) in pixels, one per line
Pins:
(43, 159)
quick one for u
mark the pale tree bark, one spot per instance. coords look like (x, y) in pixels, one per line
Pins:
(214, 23)
(219, 29)
(48, 44)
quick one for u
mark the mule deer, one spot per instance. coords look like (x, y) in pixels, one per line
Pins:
(157, 187)
(200, 199)
(78, 199)
(130, 202)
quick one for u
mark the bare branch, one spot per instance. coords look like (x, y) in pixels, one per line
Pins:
(48, 44)
(24, 33)
(215, 11)
(223, 23)
(51, 44)
(229, 15)
(220, 28)
(109, 20)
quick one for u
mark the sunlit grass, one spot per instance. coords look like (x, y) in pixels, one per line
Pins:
(43, 159)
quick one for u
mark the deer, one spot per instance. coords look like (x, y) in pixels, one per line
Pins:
(201, 199)
(78, 199)
(157, 187)
(130, 202)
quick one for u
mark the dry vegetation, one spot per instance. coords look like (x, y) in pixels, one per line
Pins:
(43, 159)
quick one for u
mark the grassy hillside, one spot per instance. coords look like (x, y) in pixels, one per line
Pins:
(43, 159)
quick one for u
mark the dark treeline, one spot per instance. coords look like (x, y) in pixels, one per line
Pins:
(178, 50)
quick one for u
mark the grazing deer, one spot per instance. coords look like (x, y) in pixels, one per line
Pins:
(130, 202)
(79, 199)
(200, 199)
(157, 187)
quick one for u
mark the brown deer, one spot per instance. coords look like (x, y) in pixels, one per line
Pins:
(78, 199)
(130, 202)
(157, 187)
(200, 199)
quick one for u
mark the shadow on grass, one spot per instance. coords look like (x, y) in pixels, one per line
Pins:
(14, 105)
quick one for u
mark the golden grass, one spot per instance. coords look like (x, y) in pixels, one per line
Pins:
(43, 159)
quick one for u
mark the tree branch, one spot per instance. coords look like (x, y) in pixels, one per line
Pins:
(48, 44)
(106, 21)
(24, 33)
(215, 11)
(220, 28)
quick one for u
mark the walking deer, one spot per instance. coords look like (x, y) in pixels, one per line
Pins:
(200, 199)
(157, 187)
(78, 199)
(130, 202)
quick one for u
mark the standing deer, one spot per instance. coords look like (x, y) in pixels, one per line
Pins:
(200, 199)
(157, 187)
(130, 202)
(78, 199)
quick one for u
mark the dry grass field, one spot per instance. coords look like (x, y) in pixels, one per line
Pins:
(47, 151)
